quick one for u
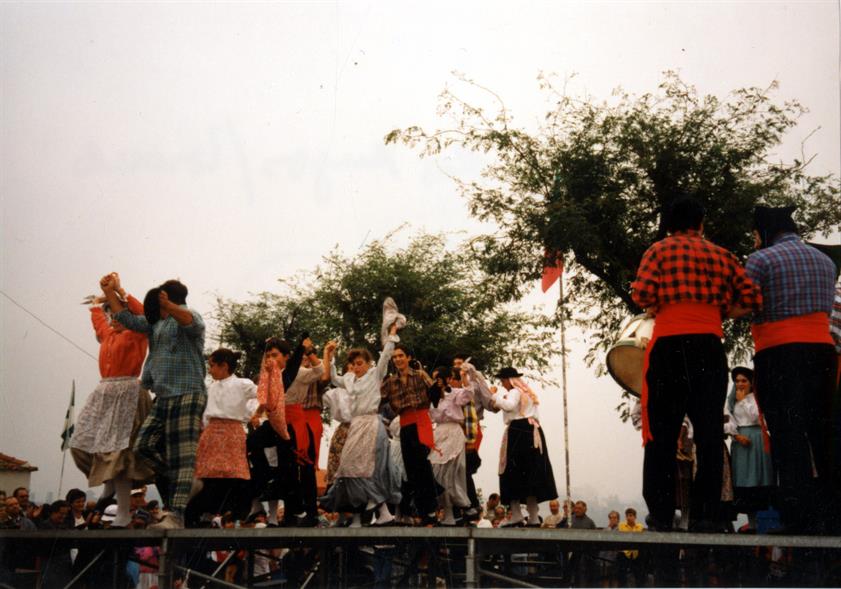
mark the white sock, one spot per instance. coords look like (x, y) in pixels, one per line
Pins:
(684, 519)
(533, 509)
(273, 511)
(357, 521)
(123, 488)
(449, 517)
(384, 515)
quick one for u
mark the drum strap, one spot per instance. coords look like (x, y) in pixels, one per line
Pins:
(677, 319)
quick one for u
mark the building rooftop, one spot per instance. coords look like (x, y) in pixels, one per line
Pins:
(11, 463)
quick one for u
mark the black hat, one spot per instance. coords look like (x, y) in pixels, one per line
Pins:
(744, 371)
(508, 372)
(770, 221)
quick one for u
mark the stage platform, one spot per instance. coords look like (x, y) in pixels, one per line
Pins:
(466, 557)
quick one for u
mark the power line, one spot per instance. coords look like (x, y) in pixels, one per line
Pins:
(55, 331)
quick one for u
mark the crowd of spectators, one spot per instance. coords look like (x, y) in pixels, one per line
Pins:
(606, 568)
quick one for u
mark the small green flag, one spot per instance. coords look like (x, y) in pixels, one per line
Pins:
(69, 420)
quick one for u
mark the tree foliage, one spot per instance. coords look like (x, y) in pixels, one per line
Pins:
(590, 182)
(438, 289)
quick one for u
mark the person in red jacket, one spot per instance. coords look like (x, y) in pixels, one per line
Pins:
(104, 433)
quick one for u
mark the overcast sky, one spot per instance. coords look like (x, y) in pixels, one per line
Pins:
(231, 145)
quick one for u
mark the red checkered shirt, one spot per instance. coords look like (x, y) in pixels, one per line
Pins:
(686, 268)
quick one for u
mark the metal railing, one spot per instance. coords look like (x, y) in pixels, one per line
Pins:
(462, 557)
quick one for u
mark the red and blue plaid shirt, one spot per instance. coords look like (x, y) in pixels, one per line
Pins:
(796, 279)
(686, 268)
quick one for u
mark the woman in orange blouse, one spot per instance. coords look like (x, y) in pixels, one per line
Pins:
(104, 433)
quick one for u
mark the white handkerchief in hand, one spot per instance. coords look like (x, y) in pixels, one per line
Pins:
(391, 316)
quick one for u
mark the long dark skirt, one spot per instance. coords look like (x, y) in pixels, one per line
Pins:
(528, 472)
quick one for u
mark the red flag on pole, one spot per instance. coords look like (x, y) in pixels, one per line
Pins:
(553, 267)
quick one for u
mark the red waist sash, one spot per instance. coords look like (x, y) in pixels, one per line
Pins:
(804, 329)
(313, 417)
(296, 418)
(677, 319)
(474, 447)
(420, 417)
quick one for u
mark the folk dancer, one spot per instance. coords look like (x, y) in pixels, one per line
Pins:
(689, 284)
(795, 365)
(525, 472)
(104, 434)
(449, 397)
(363, 480)
(175, 372)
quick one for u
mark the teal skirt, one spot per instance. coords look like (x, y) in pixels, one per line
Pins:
(751, 465)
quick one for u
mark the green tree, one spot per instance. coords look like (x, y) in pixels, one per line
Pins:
(589, 183)
(438, 289)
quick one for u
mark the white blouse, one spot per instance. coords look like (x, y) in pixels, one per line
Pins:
(745, 412)
(449, 409)
(337, 401)
(297, 392)
(228, 399)
(509, 402)
(365, 391)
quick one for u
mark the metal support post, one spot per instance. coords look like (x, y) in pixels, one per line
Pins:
(249, 580)
(164, 566)
(471, 580)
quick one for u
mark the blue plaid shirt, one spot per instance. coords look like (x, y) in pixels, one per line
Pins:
(175, 364)
(795, 279)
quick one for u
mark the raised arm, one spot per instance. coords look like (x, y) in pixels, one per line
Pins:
(293, 365)
(508, 400)
(127, 319)
(135, 306)
(330, 365)
(482, 393)
(462, 397)
(335, 379)
(189, 321)
(388, 350)
(308, 376)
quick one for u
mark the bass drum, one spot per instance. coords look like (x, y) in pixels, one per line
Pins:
(626, 357)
